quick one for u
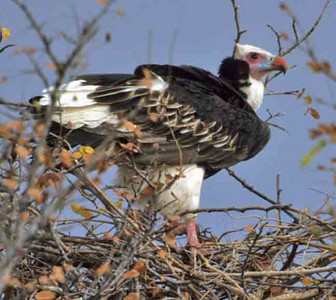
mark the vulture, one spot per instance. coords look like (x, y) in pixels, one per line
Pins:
(171, 126)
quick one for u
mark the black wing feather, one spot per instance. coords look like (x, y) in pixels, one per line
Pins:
(199, 114)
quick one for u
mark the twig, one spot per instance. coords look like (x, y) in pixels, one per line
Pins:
(309, 32)
(278, 36)
(259, 194)
(237, 23)
(16, 104)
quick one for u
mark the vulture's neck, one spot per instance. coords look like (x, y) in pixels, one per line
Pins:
(237, 73)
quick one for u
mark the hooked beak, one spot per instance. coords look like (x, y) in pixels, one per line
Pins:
(279, 64)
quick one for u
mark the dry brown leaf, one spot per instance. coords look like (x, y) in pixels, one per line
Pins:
(129, 125)
(57, 274)
(326, 67)
(36, 195)
(44, 279)
(148, 191)
(3, 79)
(120, 12)
(45, 295)
(249, 227)
(315, 66)
(132, 296)
(314, 113)
(153, 118)
(307, 281)
(162, 253)
(116, 239)
(170, 239)
(140, 266)
(131, 274)
(284, 36)
(175, 218)
(10, 184)
(137, 132)
(66, 159)
(102, 2)
(11, 281)
(104, 268)
(277, 290)
(107, 235)
(169, 177)
(24, 216)
(30, 286)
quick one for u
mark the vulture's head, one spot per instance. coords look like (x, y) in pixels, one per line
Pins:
(246, 69)
(260, 61)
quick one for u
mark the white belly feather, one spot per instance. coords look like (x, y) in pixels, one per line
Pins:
(183, 194)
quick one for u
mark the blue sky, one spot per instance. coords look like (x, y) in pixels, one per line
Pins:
(199, 33)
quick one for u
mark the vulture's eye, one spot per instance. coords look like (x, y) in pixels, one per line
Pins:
(254, 56)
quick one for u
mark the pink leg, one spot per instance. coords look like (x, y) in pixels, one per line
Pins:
(192, 236)
(190, 228)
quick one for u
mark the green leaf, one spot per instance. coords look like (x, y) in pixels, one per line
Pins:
(308, 158)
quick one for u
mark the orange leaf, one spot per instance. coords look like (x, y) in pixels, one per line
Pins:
(132, 296)
(307, 281)
(153, 118)
(45, 295)
(3, 79)
(137, 132)
(129, 125)
(30, 286)
(36, 194)
(131, 274)
(43, 279)
(284, 36)
(116, 239)
(314, 113)
(162, 253)
(107, 235)
(104, 268)
(326, 66)
(170, 239)
(58, 274)
(120, 12)
(10, 184)
(24, 216)
(65, 158)
(140, 266)
(315, 66)
(249, 227)
(102, 2)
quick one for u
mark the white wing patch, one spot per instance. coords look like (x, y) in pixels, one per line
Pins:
(72, 94)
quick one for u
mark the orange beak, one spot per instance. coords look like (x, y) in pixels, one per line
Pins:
(280, 64)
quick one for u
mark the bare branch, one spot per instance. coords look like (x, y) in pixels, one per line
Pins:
(237, 23)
